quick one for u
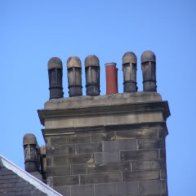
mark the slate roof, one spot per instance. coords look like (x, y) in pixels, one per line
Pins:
(14, 181)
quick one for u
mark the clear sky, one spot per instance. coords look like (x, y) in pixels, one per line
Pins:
(33, 31)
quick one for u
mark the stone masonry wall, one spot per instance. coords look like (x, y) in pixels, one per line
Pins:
(105, 161)
(106, 145)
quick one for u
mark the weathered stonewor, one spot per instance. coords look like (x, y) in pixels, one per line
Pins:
(106, 145)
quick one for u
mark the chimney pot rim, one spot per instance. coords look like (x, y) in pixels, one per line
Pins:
(112, 64)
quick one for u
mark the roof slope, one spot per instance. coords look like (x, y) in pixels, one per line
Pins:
(15, 181)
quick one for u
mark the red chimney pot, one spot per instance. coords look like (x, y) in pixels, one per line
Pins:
(111, 78)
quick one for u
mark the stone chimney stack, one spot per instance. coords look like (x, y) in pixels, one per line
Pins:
(109, 145)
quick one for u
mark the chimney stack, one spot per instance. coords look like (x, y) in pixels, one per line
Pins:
(105, 145)
(92, 70)
(55, 73)
(129, 63)
(74, 76)
(148, 60)
(111, 78)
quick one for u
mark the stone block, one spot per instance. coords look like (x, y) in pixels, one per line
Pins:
(65, 180)
(101, 178)
(141, 175)
(58, 140)
(71, 139)
(118, 145)
(58, 171)
(150, 144)
(64, 190)
(116, 189)
(88, 148)
(80, 158)
(151, 133)
(162, 154)
(102, 136)
(71, 159)
(78, 168)
(152, 187)
(106, 157)
(109, 167)
(82, 190)
(146, 165)
(61, 149)
(139, 155)
(61, 160)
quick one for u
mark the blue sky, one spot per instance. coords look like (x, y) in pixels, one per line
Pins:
(33, 31)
